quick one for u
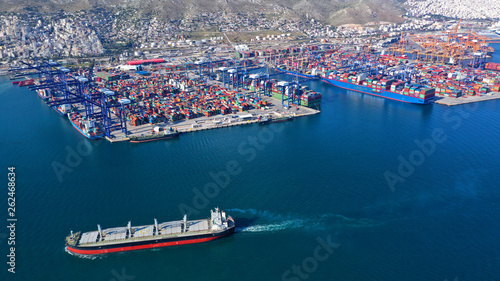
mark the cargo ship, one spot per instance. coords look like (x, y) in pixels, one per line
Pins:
(490, 51)
(22, 83)
(87, 127)
(44, 93)
(394, 90)
(27, 82)
(120, 239)
(388, 89)
(162, 135)
(62, 109)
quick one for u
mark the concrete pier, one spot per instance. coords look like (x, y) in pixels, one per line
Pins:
(214, 122)
(466, 99)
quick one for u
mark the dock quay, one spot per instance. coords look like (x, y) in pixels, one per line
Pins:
(215, 122)
(467, 99)
(155, 101)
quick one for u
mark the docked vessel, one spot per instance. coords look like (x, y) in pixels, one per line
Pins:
(269, 119)
(156, 135)
(87, 127)
(120, 239)
(388, 89)
(44, 93)
(490, 50)
(385, 89)
(62, 109)
(22, 83)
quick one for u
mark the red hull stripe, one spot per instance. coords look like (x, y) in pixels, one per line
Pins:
(82, 133)
(296, 74)
(130, 248)
(57, 110)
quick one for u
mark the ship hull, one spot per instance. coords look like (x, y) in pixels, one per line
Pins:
(155, 139)
(382, 93)
(275, 120)
(282, 120)
(41, 94)
(84, 134)
(148, 244)
(58, 110)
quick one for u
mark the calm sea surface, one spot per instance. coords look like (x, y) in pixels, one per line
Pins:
(301, 184)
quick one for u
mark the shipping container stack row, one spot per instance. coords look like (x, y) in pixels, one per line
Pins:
(453, 81)
(309, 98)
(343, 62)
(492, 66)
(305, 96)
(379, 83)
(418, 91)
(155, 99)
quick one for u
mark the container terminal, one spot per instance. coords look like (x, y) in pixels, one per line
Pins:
(156, 100)
(146, 100)
(449, 69)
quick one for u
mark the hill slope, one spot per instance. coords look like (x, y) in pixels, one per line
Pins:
(334, 12)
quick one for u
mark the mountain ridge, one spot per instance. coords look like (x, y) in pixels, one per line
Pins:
(335, 12)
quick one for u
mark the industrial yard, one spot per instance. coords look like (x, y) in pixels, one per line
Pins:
(145, 98)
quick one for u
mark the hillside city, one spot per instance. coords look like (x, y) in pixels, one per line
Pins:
(459, 9)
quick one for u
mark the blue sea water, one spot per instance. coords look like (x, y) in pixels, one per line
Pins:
(315, 180)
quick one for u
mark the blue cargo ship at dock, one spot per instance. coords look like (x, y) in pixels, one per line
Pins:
(364, 89)
(381, 93)
(89, 128)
